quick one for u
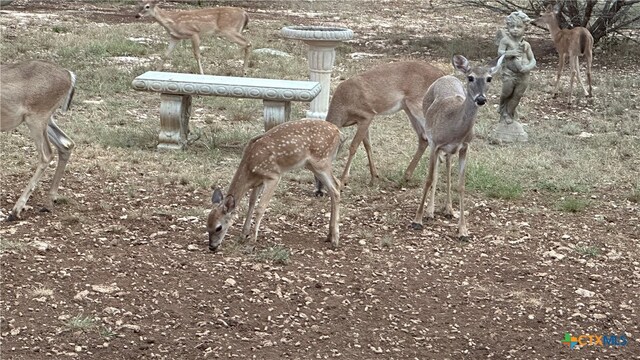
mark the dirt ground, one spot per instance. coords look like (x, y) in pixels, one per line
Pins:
(151, 289)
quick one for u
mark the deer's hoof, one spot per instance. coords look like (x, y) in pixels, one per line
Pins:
(44, 210)
(448, 215)
(464, 238)
(12, 217)
(416, 226)
(318, 193)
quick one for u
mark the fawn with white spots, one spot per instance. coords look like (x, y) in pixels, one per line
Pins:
(226, 22)
(385, 89)
(309, 143)
(450, 111)
(31, 93)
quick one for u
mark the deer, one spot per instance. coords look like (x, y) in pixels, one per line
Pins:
(30, 93)
(571, 43)
(226, 22)
(450, 109)
(308, 143)
(384, 90)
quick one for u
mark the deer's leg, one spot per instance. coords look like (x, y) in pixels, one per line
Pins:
(463, 233)
(243, 43)
(429, 182)
(413, 109)
(64, 145)
(324, 174)
(589, 59)
(573, 66)
(255, 193)
(363, 127)
(38, 130)
(372, 168)
(560, 67)
(448, 209)
(269, 188)
(584, 88)
(422, 146)
(195, 44)
(172, 45)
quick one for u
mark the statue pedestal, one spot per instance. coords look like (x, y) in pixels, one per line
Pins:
(322, 41)
(509, 133)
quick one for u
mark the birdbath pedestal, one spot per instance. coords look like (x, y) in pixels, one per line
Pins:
(322, 41)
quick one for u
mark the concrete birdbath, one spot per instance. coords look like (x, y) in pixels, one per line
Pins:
(322, 41)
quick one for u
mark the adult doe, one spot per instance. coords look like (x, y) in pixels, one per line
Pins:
(309, 143)
(226, 22)
(385, 89)
(450, 110)
(571, 43)
(30, 93)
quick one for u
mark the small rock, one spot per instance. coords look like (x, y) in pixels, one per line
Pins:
(81, 295)
(134, 328)
(599, 316)
(230, 282)
(585, 293)
(192, 247)
(553, 254)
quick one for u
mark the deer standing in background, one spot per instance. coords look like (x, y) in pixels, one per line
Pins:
(570, 43)
(309, 143)
(450, 111)
(385, 89)
(30, 93)
(226, 22)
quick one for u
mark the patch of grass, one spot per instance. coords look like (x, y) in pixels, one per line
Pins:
(107, 333)
(82, 323)
(277, 254)
(480, 178)
(572, 204)
(6, 244)
(588, 251)
(386, 241)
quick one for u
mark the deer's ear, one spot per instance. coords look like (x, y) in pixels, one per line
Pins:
(460, 63)
(496, 64)
(216, 198)
(229, 203)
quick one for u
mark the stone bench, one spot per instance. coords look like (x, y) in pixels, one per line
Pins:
(176, 90)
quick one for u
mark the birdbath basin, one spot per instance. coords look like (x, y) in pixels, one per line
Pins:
(322, 41)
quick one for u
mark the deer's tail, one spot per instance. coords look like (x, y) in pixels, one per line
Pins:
(246, 21)
(583, 42)
(72, 89)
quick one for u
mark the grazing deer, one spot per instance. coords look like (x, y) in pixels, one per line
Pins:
(226, 22)
(30, 93)
(570, 43)
(384, 89)
(450, 111)
(309, 143)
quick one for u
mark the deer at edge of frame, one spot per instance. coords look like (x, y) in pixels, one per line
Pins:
(30, 93)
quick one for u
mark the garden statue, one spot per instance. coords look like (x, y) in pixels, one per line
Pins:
(518, 63)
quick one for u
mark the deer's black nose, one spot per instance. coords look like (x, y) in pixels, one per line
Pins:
(213, 248)
(138, 16)
(481, 100)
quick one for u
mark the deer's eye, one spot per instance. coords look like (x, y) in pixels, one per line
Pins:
(488, 79)
(218, 228)
(471, 78)
(147, 6)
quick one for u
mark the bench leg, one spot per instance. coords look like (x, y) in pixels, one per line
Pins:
(174, 121)
(275, 113)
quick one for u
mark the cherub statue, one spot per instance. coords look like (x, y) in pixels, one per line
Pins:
(519, 61)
